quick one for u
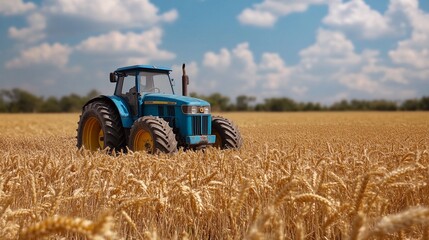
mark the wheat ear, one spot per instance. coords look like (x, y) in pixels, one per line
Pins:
(397, 222)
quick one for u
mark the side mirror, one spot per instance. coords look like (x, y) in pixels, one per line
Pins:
(113, 78)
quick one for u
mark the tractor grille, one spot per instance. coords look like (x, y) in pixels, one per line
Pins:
(168, 114)
(200, 125)
(170, 111)
(166, 111)
(161, 111)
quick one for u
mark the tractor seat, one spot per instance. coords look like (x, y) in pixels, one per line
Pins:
(131, 96)
(132, 91)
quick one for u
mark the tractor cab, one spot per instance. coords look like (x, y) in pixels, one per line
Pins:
(135, 82)
(145, 114)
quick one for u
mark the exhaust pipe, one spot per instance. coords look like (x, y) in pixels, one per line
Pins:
(185, 82)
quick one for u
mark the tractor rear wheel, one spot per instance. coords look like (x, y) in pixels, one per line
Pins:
(100, 127)
(153, 135)
(227, 134)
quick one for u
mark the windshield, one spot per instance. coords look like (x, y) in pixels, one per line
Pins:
(155, 83)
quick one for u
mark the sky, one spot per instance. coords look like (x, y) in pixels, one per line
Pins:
(307, 50)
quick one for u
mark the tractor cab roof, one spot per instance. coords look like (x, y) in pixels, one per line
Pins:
(142, 68)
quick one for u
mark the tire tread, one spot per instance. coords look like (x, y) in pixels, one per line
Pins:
(231, 137)
(163, 137)
(114, 133)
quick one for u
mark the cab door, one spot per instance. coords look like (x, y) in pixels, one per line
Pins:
(130, 93)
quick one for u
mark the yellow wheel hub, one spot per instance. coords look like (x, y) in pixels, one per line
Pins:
(143, 141)
(93, 135)
(218, 142)
(101, 138)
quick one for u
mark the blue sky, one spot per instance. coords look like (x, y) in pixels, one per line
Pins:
(309, 50)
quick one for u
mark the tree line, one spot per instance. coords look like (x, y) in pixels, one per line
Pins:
(21, 101)
(18, 100)
(220, 102)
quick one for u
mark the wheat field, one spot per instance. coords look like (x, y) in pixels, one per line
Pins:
(297, 176)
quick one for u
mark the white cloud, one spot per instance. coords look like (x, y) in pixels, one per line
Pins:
(15, 7)
(124, 12)
(300, 90)
(414, 51)
(53, 55)
(266, 14)
(357, 17)
(221, 60)
(238, 61)
(245, 57)
(273, 71)
(192, 70)
(272, 61)
(236, 72)
(332, 62)
(34, 32)
(135, 61)
(359, 81)
(257, 18)
(330, 68)
(144, 45)
(353, 17)
(333, 59)
(402, 6)
(332, 48)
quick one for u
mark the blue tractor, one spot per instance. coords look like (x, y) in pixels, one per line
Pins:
(144, 114)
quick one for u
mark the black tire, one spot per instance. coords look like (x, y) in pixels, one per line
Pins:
(152, 134)
(100, 120)
(227, 134)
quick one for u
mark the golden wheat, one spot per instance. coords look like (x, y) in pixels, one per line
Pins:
(297, 176)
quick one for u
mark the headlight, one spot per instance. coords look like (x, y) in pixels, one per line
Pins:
(196, 109)
(206, 110)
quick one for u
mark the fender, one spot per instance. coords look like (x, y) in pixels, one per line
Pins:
(121, 106)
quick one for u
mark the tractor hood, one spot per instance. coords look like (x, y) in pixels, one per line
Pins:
(155, 98)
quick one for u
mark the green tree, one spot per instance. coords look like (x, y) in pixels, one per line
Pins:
(71, 103)
(194, 95)
(424, 103)
(218, 102)
(309, 106)
(243, 102)
(92, 94)
(22, 101)
(280, 104)
(410, 105)
(359, 105)
(50, 105)
(3, 104)
(382, 105)
(261, 107)
(343, 105)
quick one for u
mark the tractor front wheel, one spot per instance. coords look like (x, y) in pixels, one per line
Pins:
(227, 134)
(153, 135)
(100, 127)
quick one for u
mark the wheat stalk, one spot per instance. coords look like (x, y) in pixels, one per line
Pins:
(397, 222)
(310, 197)
(101, 229)
(299, 176)
(58, 224)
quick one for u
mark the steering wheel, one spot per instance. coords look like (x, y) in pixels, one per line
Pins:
(155, 89)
